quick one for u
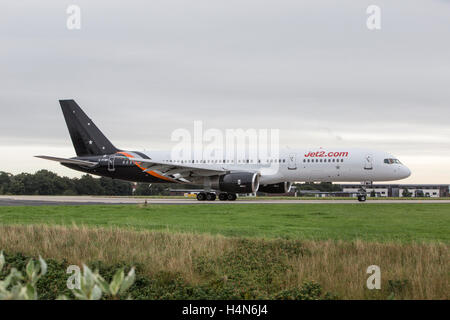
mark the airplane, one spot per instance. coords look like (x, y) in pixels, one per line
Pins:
(226, 178)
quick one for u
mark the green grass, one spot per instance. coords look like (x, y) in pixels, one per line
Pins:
(374, 222)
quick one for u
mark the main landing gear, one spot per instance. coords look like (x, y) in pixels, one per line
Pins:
(211, 196)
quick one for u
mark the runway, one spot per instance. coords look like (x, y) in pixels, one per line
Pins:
(98, 200)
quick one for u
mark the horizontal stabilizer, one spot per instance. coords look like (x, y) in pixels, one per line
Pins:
(70, 161)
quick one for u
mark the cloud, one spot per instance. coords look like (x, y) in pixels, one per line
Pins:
(143, 69)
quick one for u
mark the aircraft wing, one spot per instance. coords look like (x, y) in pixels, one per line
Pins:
(176, 172)
(70, 161)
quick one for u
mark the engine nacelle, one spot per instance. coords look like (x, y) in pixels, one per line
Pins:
(237, 182)
(282, 187)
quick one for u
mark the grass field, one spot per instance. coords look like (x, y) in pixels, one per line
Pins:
(374, 222)
(245, 251)
(194, 266)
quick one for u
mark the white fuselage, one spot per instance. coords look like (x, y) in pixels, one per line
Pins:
(293, 165)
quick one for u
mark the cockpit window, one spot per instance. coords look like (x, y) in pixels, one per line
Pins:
(392, 161)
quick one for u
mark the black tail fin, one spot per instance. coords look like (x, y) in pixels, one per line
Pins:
(86, 137)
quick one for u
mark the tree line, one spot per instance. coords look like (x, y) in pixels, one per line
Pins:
(321, 186)
(45, 182)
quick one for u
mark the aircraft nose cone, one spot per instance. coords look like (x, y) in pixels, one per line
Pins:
(406, 172)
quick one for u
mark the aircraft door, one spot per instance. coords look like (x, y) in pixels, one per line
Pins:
(292, 162)
(368, 162)
(111, 167)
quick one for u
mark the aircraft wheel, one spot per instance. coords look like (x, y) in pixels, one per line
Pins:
(223, 196)
(362, 198)
(231, 196)
(201, 196)
(210, 196)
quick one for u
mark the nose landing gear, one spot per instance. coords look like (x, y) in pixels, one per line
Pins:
(362, 193)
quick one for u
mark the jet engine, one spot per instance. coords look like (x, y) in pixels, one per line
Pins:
(236, 182)
(282, 187)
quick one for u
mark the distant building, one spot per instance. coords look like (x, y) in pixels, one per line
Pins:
(322, 194)
(183, 192)
(398, 190)
(352, 190)
(292, 193)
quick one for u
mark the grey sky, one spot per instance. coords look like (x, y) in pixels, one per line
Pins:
(141, 69)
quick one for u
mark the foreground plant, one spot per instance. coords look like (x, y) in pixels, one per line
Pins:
(17, 287)
(89, 285)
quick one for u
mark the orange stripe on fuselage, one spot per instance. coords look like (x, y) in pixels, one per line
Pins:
(153, 173)
(126, 154)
